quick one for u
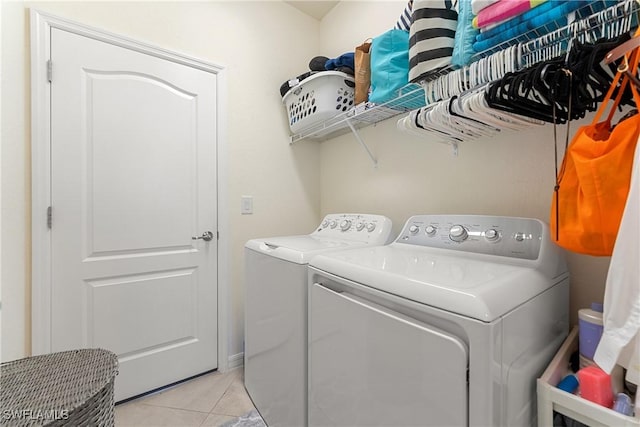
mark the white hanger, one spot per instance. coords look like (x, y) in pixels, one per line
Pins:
(439, 118)
(407, 124)
(475, 106)
(432, 119)
(515, 120)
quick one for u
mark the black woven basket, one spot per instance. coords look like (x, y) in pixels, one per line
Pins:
(73, 388)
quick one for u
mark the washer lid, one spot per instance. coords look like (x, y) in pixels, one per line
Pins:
(299, 249)
(476, 286)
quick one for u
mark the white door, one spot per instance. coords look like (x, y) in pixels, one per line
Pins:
(133, 179)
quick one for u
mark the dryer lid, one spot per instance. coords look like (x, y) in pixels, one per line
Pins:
(481, 287)
(335, 232)
(299, 249)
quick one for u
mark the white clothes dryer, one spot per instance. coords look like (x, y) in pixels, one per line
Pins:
(275, 353)
(450, 325)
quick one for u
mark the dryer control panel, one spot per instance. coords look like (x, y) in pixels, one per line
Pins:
(374, 229)
(492, 235)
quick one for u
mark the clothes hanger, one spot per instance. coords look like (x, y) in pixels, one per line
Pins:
(439, 118)
(622, 49)
(609, 68)
(624, 68)
(472, 109)
(539, 94)
(524, 93)
(410, 125)
(496, 97)
(475, 105)
(478, 125)
(588, 83)
(532, 92)
(620, 52)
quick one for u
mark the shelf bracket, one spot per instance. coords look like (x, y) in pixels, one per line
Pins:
(357, 136)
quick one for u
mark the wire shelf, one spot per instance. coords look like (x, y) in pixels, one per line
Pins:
(409, 97)
(596, 19)
(597, 12)
(597, 22)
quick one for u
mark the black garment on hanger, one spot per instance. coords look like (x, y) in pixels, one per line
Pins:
(544, 91)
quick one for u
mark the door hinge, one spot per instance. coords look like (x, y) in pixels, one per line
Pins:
(49, 217)
(49, 70)
(217, 235)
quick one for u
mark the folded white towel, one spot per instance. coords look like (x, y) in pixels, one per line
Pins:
(478, 5)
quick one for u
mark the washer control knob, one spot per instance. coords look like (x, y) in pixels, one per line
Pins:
(325, 223)
(414, 229)
(519, 237)
(333, 223)
(458, 233)
(345, 224)
(430, 230)
(360, 226)
(491, 235)
(371, 226)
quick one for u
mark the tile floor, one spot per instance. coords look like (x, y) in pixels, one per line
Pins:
(210, 400)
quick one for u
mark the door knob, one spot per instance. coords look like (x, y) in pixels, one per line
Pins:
(207, 236)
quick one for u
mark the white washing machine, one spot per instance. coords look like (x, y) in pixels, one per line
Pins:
(450, 325)
(275, 353)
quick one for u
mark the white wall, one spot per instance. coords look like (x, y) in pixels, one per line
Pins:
(510, 174)
(261, 43)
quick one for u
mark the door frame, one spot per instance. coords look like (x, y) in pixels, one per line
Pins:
(41, 25)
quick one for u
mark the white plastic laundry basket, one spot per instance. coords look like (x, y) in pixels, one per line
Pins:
(318, 98)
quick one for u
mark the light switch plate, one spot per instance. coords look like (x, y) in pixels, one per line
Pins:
(246, 205)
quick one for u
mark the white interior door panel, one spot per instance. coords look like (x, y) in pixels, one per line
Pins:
(133, 179)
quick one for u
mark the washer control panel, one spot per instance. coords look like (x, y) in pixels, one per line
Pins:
(492, 235)
(356, 227)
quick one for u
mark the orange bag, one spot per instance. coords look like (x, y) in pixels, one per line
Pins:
(362, 62)
(593, 182)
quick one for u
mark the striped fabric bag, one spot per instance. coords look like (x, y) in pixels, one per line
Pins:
(432, 36)
(404, 22)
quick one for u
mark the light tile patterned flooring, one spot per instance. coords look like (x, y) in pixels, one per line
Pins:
(210, 400)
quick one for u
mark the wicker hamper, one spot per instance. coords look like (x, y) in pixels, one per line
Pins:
(73, 388)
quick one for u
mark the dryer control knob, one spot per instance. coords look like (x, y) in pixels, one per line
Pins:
(345, 224)
(458, 233)
(371, 226)
(491, 235)
(333, 223)
(430, 230)
(360, 225)
(414, 229)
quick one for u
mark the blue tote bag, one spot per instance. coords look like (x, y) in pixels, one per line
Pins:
(389, 65)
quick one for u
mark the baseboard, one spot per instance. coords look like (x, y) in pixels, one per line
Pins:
(235, 361)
